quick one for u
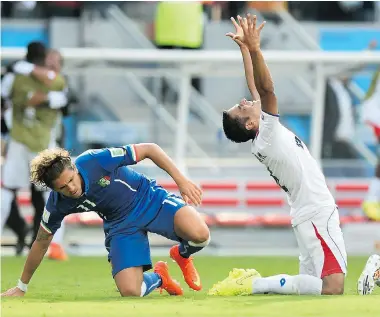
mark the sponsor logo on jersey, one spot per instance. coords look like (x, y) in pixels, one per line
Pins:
(104, 181)
(260, 157)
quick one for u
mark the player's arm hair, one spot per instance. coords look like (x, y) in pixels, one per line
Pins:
(249, 74)
(160, 158)
(36, 254)
(264, 82)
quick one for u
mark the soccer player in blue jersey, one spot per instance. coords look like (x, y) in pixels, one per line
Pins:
(130, 204)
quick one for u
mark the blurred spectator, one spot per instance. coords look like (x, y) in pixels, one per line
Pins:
(31, 118)
(358, 11)
(338, 123)
(224, 10)
(61, 8)
(371, 116)
(179, 25)
(267, 6)
(6, 9)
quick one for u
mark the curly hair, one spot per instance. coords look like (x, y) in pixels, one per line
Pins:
(48, 165)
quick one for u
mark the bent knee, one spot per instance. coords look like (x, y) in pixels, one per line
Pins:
(333, 285)
(201, 236)
(333, 290)
(130, 292)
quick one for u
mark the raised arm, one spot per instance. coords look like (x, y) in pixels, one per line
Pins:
(238, 37)
(263, 78)
(189, 190)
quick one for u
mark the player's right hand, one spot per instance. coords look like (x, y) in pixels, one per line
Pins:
(13, 292)
(190, 192)
(251, 32)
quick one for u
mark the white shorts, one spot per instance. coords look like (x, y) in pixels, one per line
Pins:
(16, 173)
(322, 249)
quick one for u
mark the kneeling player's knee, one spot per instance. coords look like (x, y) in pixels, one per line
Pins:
(130, 291)
(333, 286)
(333, 290)
(201, 236)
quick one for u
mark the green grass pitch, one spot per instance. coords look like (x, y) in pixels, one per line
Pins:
(83, 286)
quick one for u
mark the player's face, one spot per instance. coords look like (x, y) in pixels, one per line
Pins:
(69, 183)
(53, 61)
(247, 109)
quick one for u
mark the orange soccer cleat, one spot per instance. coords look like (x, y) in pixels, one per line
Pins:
(168, 284)
(56, 252)
(190, 273)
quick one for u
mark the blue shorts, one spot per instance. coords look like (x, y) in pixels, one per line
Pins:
(130, 247)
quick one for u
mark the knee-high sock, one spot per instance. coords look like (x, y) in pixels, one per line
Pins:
(187, 248)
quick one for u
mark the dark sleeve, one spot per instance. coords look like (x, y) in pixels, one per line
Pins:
(52, 216)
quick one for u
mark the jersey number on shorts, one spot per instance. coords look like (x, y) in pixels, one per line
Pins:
(286, 190)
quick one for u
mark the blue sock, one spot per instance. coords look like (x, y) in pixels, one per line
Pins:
(186, 249)
(151, 282)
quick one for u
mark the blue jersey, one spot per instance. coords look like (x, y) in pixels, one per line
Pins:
(118, 194)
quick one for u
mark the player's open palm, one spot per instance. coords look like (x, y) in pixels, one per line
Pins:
(251, 32)
(190, 192)
(238, 36)
(13, 292)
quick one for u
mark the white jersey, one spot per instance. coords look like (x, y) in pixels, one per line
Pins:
(293, 168)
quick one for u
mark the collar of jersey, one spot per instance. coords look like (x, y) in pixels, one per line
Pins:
(84, 175)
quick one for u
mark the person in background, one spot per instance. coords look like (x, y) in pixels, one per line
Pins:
(179, 25)
(36, 95)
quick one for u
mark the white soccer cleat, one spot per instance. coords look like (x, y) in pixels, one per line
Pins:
(370, 275)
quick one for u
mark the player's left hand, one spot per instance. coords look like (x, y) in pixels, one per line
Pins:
(238, 36)
(190, 192)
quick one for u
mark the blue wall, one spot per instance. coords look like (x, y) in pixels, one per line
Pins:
(19, 36)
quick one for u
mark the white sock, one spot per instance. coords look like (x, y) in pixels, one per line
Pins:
(374, 190)
(6, 201)
(288, 285)
(58, 236)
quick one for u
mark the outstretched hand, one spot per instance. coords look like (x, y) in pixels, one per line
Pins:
(246, 32)
(13, 292)
(238, 36)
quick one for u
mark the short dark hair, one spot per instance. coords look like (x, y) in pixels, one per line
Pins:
(235, 130)
(48, 165)
(36, 53)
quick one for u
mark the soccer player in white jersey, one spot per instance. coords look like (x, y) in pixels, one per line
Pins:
(315, 218)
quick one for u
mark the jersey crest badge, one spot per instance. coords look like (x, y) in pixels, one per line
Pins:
(104, 181)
